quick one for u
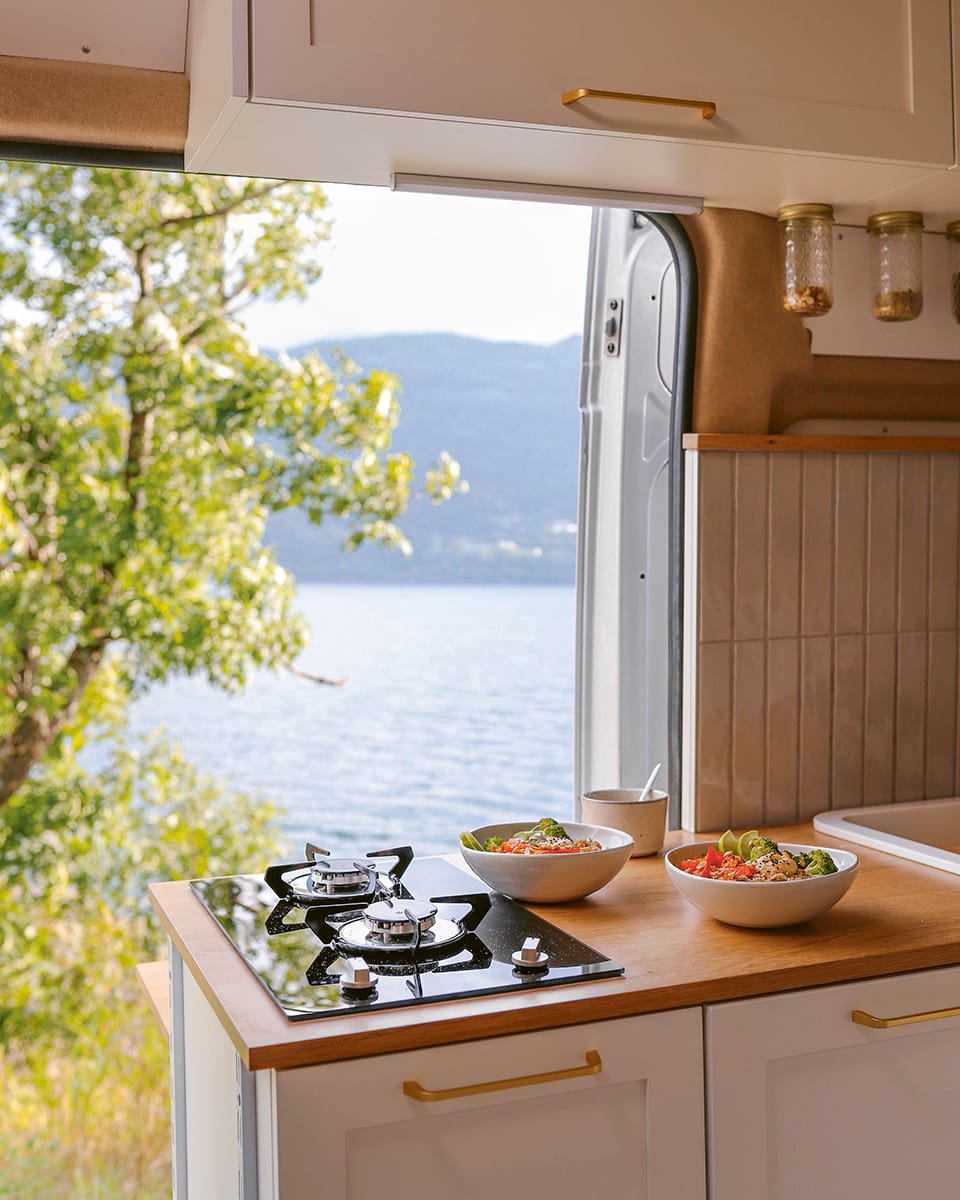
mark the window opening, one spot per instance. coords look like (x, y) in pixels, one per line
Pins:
(458, 706)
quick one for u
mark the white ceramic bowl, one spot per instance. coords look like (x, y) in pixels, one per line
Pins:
(762, 905)
(549, 878)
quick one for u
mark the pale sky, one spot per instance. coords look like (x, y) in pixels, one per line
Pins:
(400, 263)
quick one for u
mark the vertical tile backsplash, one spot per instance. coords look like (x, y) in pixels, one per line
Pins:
(824, 669)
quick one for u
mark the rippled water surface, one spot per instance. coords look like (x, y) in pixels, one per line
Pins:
(458, 710)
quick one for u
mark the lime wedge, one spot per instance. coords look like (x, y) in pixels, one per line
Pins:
(470, 841)
(743, 845)
(728, 843)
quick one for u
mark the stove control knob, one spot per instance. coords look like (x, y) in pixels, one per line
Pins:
(530, 958)
(356, 982)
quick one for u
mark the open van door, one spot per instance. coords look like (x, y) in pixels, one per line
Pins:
(635, 401)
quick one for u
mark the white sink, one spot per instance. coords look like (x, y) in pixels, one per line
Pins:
(924, 831)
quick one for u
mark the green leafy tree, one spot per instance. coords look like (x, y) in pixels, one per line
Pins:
(83, 1067)
(144, 441)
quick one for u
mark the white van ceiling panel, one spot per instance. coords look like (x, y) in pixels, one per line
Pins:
(126, 33)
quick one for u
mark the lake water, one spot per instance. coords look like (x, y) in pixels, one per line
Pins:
(458, 710)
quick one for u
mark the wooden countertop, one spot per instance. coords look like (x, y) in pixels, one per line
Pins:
(897, 917)
(821, 443)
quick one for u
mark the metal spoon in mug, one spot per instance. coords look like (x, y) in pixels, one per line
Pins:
(649, 784)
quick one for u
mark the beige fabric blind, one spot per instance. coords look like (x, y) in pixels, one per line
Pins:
(88, 104)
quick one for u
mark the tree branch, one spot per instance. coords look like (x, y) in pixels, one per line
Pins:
(222, 210)
(37, 731)
(323, 679)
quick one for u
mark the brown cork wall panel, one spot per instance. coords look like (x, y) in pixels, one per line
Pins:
(755, 372)
(889, 389)
(88, 104)
(746, 344)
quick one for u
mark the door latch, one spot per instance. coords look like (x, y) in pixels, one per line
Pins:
(612, 326)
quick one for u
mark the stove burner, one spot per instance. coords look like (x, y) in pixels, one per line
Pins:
(390, 921)
(331, 882)
(405, 929)
(465, 953)
(336, 876)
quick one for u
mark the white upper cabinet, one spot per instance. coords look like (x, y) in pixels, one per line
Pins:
(842, 103)
(868, 79)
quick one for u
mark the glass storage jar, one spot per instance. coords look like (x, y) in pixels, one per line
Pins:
(953, 245)
(896, 265)
(806, 237)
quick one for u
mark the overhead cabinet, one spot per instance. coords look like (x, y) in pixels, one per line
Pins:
(864, 79)
(842, 103)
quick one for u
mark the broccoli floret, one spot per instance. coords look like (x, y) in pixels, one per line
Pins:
(820, 863)
(801, 858)
(762, 845)
(550, 827)
(493, 843)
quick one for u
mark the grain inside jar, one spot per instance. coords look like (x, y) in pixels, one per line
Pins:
(806, 239)
(896, 265)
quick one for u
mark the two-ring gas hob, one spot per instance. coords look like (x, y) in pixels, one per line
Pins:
(335, 935)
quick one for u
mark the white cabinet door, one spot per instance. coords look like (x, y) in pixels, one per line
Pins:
(867, 78)
(207, 1086)
(348, 1131)
(803, 1101)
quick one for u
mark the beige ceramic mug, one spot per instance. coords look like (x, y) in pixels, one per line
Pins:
(621, 808)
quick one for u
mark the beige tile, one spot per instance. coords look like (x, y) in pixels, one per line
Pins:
(716, 547)
(912, 575)
(816, 707)
(750, 545)
(850, 563)
(878, 724)
(782, 729)
(909, 736)
(783, 581)
(848, 718)
(883, 530)
(748, 737)
(939, 778)
(713, 736)
(944, 512)
(816, 581)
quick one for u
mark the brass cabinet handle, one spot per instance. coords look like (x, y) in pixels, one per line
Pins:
(859, 1017)
(592, 1066)
(708, 109)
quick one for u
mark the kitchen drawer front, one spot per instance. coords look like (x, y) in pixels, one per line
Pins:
(799, 1093)
(868, 79)
(634, 1126)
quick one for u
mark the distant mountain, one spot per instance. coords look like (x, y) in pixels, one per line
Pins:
(507, 411)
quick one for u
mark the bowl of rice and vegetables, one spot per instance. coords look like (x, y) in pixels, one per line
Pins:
(545, 862)
(720, 878)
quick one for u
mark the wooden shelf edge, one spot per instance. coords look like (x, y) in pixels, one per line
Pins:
(823, 443)
(154, 979)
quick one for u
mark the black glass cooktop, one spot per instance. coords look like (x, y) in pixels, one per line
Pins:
(298, 958)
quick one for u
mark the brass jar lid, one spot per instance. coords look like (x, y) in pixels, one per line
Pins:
(953, 231)
(817, 213)
(895, 220)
